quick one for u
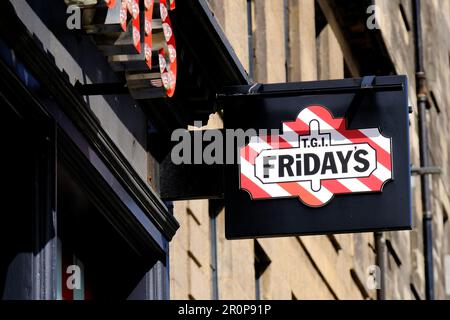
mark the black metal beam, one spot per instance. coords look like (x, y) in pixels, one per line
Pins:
(305, 88)
(98, 89)
(425, 171)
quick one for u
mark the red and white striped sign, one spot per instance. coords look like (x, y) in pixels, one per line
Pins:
(315, 158)
(167, 54)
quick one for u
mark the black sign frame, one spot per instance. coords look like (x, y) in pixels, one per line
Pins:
(365, 103)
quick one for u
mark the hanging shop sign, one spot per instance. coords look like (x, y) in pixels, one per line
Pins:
(338, 162)
(138, 39)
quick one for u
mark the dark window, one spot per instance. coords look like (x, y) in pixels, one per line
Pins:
(250, 33)
(215, 207)
(262, 261)
(414, 292)
(320, 24)
(320, 19)
(287, 40)
(27, 229)
(16, 222)
(404, 18)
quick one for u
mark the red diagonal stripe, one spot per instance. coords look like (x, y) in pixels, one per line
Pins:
(248, 154)
(335, 186)
(372, 182)
(298, 126)
(276, 142)
(254, 190)
(297, 190)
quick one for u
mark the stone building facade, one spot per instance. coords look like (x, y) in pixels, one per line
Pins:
(301, 40)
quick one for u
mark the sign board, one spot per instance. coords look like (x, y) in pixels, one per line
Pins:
(138, 39)
(339, 161)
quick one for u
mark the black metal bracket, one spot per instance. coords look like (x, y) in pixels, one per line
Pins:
(425, 170)
(367, 83)
(254, 89)
(100, 89)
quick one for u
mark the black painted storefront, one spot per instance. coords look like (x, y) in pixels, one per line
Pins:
(69, 196)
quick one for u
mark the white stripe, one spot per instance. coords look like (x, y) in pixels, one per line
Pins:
(383, 169)
(324, 195)
(258, 144)
(374, 135)
(290, 136)
(273, 189)
(382, 173)
(354, 185)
